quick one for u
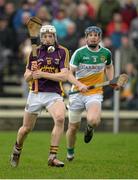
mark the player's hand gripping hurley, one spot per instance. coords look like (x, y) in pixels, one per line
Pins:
(34, 24)
(118, 81)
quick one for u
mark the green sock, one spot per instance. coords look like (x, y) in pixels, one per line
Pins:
(70, 150)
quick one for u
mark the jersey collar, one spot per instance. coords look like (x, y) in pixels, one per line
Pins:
(92, 50)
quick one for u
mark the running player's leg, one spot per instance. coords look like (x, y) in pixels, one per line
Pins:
(73, 126)
(57, 111)
(28, 124)
(76, 106)
(93, 119)
(32, 109)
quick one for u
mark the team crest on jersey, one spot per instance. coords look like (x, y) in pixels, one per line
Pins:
(57, 61)
(103, 58)
(48, 61)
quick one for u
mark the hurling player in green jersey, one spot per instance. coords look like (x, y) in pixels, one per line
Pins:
(88, 66)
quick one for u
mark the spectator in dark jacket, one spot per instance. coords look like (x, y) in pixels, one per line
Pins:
(71, 40)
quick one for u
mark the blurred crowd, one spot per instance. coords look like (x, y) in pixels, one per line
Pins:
(118, 20)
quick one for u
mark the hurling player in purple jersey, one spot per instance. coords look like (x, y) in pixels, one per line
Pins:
(52, 60)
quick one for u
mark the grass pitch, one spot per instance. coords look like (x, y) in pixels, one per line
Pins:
(107, 156)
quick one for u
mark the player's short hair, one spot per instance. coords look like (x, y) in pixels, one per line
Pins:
(93, 29)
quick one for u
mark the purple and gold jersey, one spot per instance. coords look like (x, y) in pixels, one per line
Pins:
(51, 63)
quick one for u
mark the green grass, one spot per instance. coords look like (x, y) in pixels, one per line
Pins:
(107, 156)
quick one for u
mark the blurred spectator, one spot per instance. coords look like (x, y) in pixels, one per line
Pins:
(52, 6)
(2, 7)
(129, 94)
(105, 12)
(115, 29)
(116, 24)
(82, 42)
(61, 22)
(22, 36)
(10, 13)
(107, 43)
(70, 7)
(83, 20)
(8, 42)
(128, 11)
(4, 54)
(17, 21)
(128, 53)
(90, 8)
(22, 31)
(32, 5)
(44, 15)
(108, 91)
(6, 36)
(134, 31)
(71, 40)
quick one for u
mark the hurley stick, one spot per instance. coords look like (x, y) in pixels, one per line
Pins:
(115, 82)
(34, 24)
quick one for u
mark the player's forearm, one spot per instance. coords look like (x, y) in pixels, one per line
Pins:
(61, 76)
(110, 72)
(73, 80)
(28, 75)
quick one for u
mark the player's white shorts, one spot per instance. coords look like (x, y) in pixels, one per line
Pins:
(36, 102)
(79, 102)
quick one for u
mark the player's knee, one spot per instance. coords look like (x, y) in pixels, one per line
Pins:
(60, 119)
(26, 129)
(73, 127)
(94, 121)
